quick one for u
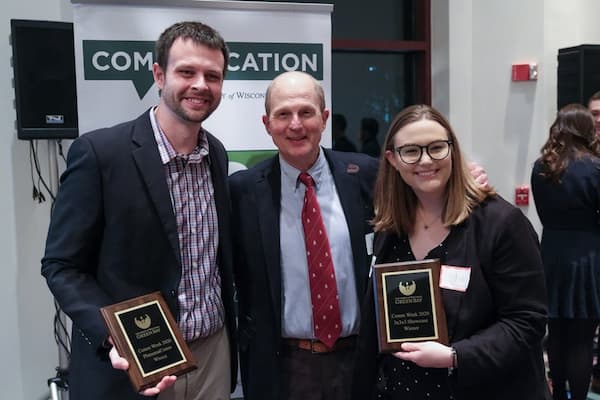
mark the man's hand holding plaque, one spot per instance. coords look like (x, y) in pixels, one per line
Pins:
(408, 304)
(147, 343)
(121, 363)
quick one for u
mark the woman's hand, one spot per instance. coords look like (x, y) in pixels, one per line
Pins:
(426, 354)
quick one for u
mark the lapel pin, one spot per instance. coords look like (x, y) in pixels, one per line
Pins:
(352, 168)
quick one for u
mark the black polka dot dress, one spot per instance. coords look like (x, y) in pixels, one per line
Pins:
(404, 380)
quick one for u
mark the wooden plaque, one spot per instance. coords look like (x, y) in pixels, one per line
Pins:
(147, 336)
(408, 304)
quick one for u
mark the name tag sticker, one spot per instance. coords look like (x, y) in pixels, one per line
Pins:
(455, 278)
(373, 260)
(369, 242)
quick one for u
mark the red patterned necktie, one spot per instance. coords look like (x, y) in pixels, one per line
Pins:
(323, 288)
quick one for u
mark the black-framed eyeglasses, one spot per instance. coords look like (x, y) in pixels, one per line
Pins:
(412, 153)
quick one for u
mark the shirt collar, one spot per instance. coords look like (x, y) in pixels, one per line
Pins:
(316, 171)
(166, 150)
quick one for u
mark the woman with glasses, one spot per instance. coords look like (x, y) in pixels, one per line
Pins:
(566, 185)
(427, 206)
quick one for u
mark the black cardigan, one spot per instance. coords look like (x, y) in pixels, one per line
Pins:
(497, 325)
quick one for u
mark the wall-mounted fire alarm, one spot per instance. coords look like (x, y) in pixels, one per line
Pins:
(522, 195)
(524, 72)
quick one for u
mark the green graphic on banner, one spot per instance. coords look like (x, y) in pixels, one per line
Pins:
(250, 158)
(120, 60)
(129, 60)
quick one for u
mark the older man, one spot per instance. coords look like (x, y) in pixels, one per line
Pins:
(298, 321)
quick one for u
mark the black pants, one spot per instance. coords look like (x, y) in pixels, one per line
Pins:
(570, 355)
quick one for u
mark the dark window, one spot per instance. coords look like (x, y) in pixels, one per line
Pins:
(381, 59)
(371, 85)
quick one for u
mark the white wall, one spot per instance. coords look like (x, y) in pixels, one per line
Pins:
(566, 26)
(29, 354)
(502, 124)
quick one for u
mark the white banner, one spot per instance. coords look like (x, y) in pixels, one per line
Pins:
(114, 46)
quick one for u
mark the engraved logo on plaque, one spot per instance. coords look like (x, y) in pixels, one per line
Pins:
(142, 321)
(407, 288)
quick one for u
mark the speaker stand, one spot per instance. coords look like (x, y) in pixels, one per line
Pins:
(59, 384)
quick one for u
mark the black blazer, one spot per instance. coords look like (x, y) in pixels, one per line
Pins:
(256, 197)
(497, 324)
(113, 236)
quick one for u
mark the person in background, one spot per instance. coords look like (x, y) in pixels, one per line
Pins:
(369, 127)
(142, 207)
(566, 188)
(594, 107)
(284, 352)
(338, 133)
(427, 205)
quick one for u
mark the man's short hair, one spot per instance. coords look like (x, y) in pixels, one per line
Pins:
(594, 97)
(198, 32)
(317, 86)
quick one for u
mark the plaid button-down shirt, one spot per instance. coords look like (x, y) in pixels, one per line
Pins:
(201, 311)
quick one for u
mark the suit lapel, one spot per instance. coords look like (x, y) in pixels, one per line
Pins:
(150, 167)
(348, 188)
(268, 196)
(219, 179)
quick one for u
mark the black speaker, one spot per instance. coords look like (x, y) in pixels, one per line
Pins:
(45, 87)
(578, 74)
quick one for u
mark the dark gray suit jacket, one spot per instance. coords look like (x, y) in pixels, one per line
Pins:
(256, 197)
(113, 236)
